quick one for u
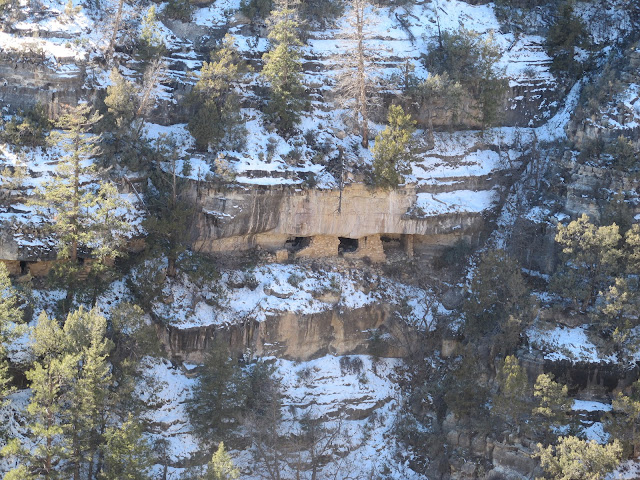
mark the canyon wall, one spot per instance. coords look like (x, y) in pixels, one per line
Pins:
(296, 337)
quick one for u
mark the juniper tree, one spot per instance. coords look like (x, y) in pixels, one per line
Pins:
(436, 95)
(221, 466)
(471, 61)
(150, 42)
(497, 294)
(262, 418)
(392, 151)
(565, 34)
(219, 395)
(282, 69)
(575, 459)
(591, 255)
(216, 118)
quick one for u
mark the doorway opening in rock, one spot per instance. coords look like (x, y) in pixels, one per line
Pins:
(23, 267)
(347, 245)
(295, 244)
(391, 243)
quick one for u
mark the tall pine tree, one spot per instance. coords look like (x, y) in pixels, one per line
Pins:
(87, 213)
(282, 69)
(216, 120)
(10, 317)
(392, 151)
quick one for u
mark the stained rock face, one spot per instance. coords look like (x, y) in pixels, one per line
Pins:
(316, 223)
(293, 336)
(27, 83)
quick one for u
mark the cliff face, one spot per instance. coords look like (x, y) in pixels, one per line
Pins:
(313, 222)
(292, 336)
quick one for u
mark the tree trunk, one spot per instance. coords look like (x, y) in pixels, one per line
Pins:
(114, 35)
(171, 266)
(362, 79)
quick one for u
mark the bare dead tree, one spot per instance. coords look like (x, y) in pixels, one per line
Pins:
(153, 76)
(114, 33)
(356, 78)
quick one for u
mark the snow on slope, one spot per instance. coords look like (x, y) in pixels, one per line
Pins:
(274, 288)
(356, 396)
(565, 343)
(20, 218)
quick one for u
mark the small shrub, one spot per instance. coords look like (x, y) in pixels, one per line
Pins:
(178, 10)
(623, 153)
(295, 280)
(223, 169)
(250, 280)
(310, 180)
(311, 137)
(199, 268)
(294, 156)
(377, 345)
(322, 12)
(304, 375)
(454, 255)
(591, 149)
(256, 10)
(272, 144)
(350, 366)
(334, 285)
(28, 128)
(147, 282)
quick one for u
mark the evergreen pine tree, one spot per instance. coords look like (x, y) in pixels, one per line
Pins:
(66, 196)
(565, 34)
(497, 293)
(122, 103)
(88, 396)
(218, 397)
(591, 256)
(171, 214)
(49, 378)
(575, 459)
(554, 403)
(10, 316)
(512, 399)
(70, 384)
(216, 119)
(151, 43)
(221, 466)
(86, 216)
(282, 69)
(127, 454)
(623, 422)
(392, 151)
